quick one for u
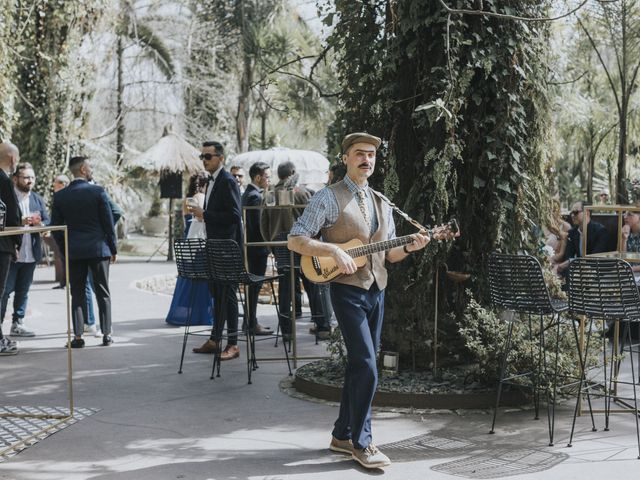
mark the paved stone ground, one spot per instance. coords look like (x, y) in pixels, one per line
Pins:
(151, 423)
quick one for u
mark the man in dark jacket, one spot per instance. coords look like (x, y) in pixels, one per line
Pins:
(260, 173)
(223, 219)
(34, 213)
(597, 236)
(85, 209)
(9, 158)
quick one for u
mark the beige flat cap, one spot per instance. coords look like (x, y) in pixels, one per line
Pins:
(360, 137)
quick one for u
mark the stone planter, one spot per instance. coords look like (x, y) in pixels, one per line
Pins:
(155, 226)
(447, 401)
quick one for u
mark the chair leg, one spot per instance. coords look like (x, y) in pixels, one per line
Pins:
(535, 373)
(633, 381)
(222, 310)
(607, 384)
(582, 356)
(551, 399)
(186, 330)
(284, 344)
(503, 368)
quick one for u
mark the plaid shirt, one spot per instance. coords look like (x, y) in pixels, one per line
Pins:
(323, 211)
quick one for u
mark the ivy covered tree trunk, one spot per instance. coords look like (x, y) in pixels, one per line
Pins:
(7, 67)
(461, 102)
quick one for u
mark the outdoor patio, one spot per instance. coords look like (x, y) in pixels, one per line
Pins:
(139, 419)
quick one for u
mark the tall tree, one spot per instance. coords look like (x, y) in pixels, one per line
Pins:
(461, 101)
(615, 38)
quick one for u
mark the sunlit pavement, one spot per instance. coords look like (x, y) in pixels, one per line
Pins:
(152, 423)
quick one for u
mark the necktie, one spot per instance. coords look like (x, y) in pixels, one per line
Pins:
(363, 207)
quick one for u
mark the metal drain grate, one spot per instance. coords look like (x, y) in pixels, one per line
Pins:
(21, 427)
(426, 446)
(502, 463)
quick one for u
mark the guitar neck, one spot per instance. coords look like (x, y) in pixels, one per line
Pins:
(376, 247)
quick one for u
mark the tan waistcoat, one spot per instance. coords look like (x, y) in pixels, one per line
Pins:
(350, 225)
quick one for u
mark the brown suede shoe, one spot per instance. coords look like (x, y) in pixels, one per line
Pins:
(229, 353)
(210, 346)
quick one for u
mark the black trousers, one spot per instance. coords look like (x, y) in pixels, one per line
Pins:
(319, 302)
(257, 266)
(5, 264)
(225, 296)
(78, 270)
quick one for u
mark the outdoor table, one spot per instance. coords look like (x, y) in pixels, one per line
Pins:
(9, 231)
(292, 274)
(631, 257)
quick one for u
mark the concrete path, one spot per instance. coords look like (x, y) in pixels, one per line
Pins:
(152, 423)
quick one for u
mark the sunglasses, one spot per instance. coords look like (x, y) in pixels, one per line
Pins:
(575, 212)
(209, 156)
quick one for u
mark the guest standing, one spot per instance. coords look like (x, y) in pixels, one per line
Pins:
(201, 309)
(9, 158)
(92, 244)
(223, 219)
(34, 213)
(260, 174)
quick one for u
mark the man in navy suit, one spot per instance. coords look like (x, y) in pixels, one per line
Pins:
(85, 209)
(223, 220)
(9, 158)
(260, 173)
(34, 213)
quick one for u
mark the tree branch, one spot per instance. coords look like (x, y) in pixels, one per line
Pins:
(503, 16)
(606, 70)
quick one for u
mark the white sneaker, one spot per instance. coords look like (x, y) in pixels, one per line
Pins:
(91, 329)
(8, 347)
(370, 457)
(20, 330)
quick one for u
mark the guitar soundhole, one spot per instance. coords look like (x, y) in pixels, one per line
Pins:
(316, 265)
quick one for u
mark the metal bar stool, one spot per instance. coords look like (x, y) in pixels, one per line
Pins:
(226, 269)
(282, 257)
(605, 289)
(191, 264)
(516, 284)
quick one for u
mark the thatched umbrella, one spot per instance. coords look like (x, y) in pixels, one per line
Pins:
(170, 155)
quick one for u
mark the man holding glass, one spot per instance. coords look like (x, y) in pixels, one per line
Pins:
(34, 213)
(223, 220)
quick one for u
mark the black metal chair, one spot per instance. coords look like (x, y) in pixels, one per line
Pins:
(516, 284)
(226, 268)
(282, 258)
(191, 264)
(604, 289)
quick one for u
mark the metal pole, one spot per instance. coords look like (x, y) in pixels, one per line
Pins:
(170, 249)
(435, 328)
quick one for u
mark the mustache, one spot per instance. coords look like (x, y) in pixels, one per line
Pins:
(364, 164)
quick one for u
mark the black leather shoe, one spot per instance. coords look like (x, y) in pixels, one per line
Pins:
(106, 340)
(77, 343)
(262, 330)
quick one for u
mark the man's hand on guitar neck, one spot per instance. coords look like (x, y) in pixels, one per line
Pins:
(400, 253)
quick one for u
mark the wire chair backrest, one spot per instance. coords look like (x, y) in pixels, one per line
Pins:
(283, 255)
(603, 288)
(226, 262)
(516, 283)
(191, 258)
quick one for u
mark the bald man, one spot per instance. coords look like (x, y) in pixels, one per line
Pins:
(9, 158)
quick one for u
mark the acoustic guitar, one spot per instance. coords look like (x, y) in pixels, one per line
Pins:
(325, 269)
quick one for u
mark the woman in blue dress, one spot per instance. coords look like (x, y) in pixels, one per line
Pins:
(202, 308)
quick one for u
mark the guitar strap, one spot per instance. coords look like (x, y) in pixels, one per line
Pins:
(400, 212)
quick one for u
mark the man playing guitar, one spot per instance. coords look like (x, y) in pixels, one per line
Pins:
(348, 210)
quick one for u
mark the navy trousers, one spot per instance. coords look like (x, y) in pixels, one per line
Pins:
(359, 313)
